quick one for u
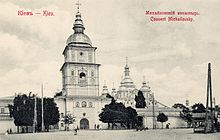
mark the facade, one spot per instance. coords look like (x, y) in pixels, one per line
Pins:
(80, 74)
(80, 96)
(126, 94)
(6, 122)
(127, 90)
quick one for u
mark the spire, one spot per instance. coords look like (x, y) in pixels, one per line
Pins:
(78, 5)
(144, 80)
(105, 89)
(104, 86)
(126, 62)
(113, 86)
(148, 83)
(78, 26)
(126, 68)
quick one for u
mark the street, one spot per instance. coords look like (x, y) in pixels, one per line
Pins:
(159, 134)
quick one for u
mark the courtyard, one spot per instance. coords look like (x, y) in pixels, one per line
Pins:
(159, 134)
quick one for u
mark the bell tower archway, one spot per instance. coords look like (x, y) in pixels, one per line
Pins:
(84, 123)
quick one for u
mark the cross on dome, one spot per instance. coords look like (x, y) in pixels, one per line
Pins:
(78, 5)
(126, 61)
(126, 67)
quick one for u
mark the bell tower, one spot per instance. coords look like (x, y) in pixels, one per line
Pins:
(80, 72)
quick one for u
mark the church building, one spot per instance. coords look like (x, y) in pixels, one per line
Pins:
(80, 96)
(80, 78)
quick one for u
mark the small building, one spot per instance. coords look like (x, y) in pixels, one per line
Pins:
(6, 122)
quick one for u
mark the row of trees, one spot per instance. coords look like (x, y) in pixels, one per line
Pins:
(22, 111)
(186, 113)
(116, 113)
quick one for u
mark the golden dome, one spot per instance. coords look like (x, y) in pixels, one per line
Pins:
(80, 38)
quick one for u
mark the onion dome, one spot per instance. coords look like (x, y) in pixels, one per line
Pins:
(114, 92)
(78, 37)
(145, 87)
(105, 90)
(127, 82)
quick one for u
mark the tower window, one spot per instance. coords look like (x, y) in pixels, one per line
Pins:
(82, 78)
(84, 114)
(72, 72)
(81, 53)
(77, 104)
(2, 110)
(90, 104)
(82, 75)
(84, 104)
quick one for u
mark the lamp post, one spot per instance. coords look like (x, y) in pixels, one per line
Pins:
(209, 97)
(35, 113)
(65, 109)
(154, 126)
(42, 107)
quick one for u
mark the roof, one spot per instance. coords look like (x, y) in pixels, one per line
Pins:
(77, 63)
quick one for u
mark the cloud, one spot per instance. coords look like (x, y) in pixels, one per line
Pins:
(28, 53)
(172, 56)
(179, 51)
(20, 80)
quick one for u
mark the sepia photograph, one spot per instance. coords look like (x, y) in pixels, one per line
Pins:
(113, 69)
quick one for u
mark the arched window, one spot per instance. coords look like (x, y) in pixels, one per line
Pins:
(84, 104)
(82, 75)
(72, 72)
(77, 104)
(90, 104)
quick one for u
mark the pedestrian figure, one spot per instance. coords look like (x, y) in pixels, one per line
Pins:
(75, 130)
(10, 131)
(98, 126)
(168, 126)
(95, 126)
(22, 130)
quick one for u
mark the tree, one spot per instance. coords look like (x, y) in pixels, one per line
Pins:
(68, 119)
(185, 114)
(117, 113)
(22, 111)
(51, 113)
(198, 108)
(132, 117)
(178, 105)
(162, 118)
(140, 100)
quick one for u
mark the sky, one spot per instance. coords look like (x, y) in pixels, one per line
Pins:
(172, 56)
